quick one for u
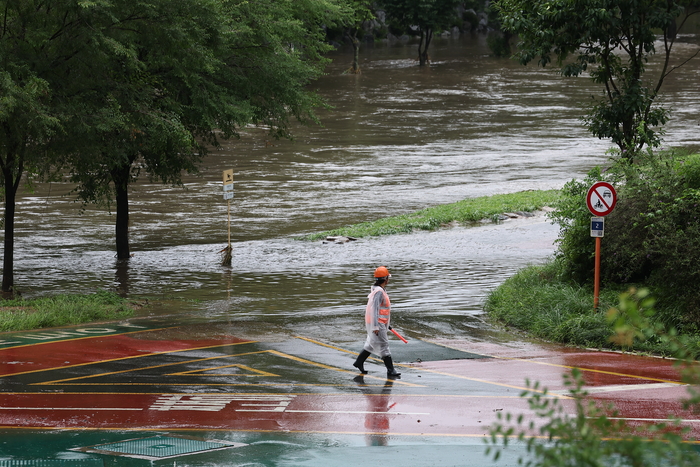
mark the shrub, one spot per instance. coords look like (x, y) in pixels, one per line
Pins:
(539, 301)
(652, 236)
(576, 248)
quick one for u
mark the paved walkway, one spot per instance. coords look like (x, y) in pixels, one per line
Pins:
(134, 394)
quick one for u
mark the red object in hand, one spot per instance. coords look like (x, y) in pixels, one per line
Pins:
(398, 335)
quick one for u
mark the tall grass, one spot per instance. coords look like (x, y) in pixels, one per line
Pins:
(538, 301)
(62, 310)
(463, 212)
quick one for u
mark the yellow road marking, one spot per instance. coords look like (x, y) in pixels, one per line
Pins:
(147, 367)
(478, 380)
(253, 372)
(309, 432)
(590, 370)
(325, 345)
(128, 358)
(434, 371)
(71, 381)
(82, 338)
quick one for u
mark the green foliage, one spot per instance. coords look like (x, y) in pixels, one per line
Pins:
(353, 27)
(111, 89)
(428, 15)
(464, 212)
(540, 301)
(61, 310)
(594, 434)
(612, 40)
(654, 232)
(652, 236)
(591, 436)
(499, 44)
(576, 248)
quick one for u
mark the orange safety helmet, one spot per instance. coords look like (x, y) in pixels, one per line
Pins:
(381, 271)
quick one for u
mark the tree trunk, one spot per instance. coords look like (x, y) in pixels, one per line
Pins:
(351, 33)
(356, 54)
(8, 266)
(11, 181)
(425, 38)
(120, 177)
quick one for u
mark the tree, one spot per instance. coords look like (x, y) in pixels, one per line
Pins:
(24, 126)
(29, 35)
(195, 72)
(110, 88)
(613, 40)
(362, 12)
(426, 15)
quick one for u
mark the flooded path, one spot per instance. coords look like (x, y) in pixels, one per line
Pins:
(398, 138)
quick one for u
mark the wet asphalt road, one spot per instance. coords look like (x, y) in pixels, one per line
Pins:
(203, 394)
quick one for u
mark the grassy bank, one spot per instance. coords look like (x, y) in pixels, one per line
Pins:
(537, 301)
(62, 310)
(462, 212)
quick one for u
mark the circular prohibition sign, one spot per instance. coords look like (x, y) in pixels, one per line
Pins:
(601, 199)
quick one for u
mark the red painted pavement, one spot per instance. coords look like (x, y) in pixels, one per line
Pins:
(61, 354)
(352, 413)
(444, 398)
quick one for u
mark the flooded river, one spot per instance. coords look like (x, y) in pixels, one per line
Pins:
(398, 138)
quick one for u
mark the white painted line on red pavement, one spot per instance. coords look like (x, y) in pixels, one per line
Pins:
(67, 408)
(622, 387)
(655, 420)
(347, 412)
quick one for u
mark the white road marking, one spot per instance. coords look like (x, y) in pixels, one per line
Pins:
(217, 402)
(67, 408)
(622, 387)
(655, 420)
(349, 412)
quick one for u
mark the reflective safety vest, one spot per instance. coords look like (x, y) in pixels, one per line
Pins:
(382, 315)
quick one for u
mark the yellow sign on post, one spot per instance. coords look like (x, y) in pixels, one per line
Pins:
(228, 184)
(228, 177)
(228, 195)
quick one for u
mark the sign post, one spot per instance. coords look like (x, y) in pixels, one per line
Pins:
(228, 196)
(601, 200)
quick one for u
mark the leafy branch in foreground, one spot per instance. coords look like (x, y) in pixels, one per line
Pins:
(593, 434)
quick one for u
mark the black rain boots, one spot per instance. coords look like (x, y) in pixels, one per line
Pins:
(360, 362)
(390, 370)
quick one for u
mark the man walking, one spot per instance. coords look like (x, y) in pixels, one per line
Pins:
(377, 318)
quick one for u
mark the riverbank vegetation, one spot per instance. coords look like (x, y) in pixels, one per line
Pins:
(159, 83)
(628, 110)
(652, 239)
(62, 310)
(468, 211)
(541, 302)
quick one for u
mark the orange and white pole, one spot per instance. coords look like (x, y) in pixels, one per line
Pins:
(596, 278)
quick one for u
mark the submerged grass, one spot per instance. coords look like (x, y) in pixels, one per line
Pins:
(538, 301)
(462, 212)
(62, 310)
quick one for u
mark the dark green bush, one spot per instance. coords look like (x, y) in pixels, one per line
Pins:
(499, 44)
(652, 236)
(576, 248)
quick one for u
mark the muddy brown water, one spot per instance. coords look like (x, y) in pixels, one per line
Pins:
(398, 138)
